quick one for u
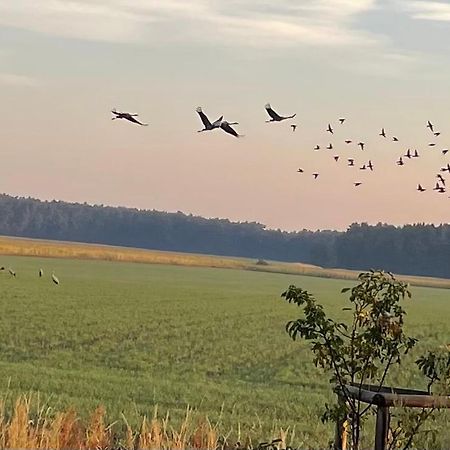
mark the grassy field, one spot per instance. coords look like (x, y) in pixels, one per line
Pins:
(131, 336)
(59, 249)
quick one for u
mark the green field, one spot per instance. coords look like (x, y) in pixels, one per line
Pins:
(131, 336)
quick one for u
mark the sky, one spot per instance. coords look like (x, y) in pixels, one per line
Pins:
(64, 64)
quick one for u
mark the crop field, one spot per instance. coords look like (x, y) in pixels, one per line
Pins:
(133, 337)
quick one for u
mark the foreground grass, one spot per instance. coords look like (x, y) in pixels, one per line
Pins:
(72, 250)
(132, 336)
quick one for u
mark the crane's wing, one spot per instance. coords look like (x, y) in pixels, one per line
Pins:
(203, 118)
(132, 119)
(272, 113)
(227, 128)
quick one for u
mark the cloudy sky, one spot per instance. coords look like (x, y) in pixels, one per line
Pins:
(379, 63)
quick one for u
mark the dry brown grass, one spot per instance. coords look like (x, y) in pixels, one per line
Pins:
(31, 426)
(73, 250)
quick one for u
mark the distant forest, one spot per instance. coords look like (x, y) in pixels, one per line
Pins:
(417, 249)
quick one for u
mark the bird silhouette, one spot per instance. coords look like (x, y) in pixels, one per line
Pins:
(363, 167)
(317, 147)
(127, 116)
(275, 117)
(438, 133)
(383, 133)
(41, 273)
(358, 183)
(348, 141)
(315, 175)
(395, 139)
(440, 178)
(294, 127)
(330, 129)
(430, 125)
(370, 165)
(342, 120)
(300, 170)
(446, 169)
(416, 154)
(445, 151)
(432, 144)
(420, 188)
(11, 272)
(330, 146)
(207, 125)
(408, 154)
(361, 144)
(351, 162)
(226, 126)
(336, 158)
(54, 278)
(400, 162)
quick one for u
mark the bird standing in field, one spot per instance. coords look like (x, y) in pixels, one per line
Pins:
(275, 117)
(41, 273)
(207, 125)
(54, 278)
(11, 272)
(127, 116)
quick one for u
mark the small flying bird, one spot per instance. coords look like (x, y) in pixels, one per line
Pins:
(315, 175)
(54, 279)
(329, 129)
(420, 188)
(336, 158)
(395, 139)
(446, 169)
(431, 145)
(400, 162)
(208, 126)
(358, 183)
(440, 178)
(41, 273)
(361, 144)
(317, 147)
(351, 162)
(430, 125)
(341, 120)
(11, 272)
(300, 170)
(294, 127)
(441, 190)
(127, 116)
(416, 154)
(363, 167)
(436, 187)
(445, 151)
(330, 146)
(408, 154)
(383, 133)
(348, 141)
(226, 126)
(438, 133)
(370, 165)
(275, 117)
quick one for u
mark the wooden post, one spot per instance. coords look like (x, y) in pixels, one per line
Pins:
(382, 428)
(340, 438)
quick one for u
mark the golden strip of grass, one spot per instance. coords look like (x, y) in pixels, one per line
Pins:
(73, 250)
(30, 426)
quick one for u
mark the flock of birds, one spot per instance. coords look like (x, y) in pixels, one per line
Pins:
(226, 126)
(40, 273)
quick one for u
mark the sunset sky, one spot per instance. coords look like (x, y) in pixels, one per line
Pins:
(379, 63)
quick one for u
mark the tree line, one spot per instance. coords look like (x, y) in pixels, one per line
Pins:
(417, 249)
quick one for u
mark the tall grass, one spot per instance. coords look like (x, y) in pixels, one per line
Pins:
(30, 425)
